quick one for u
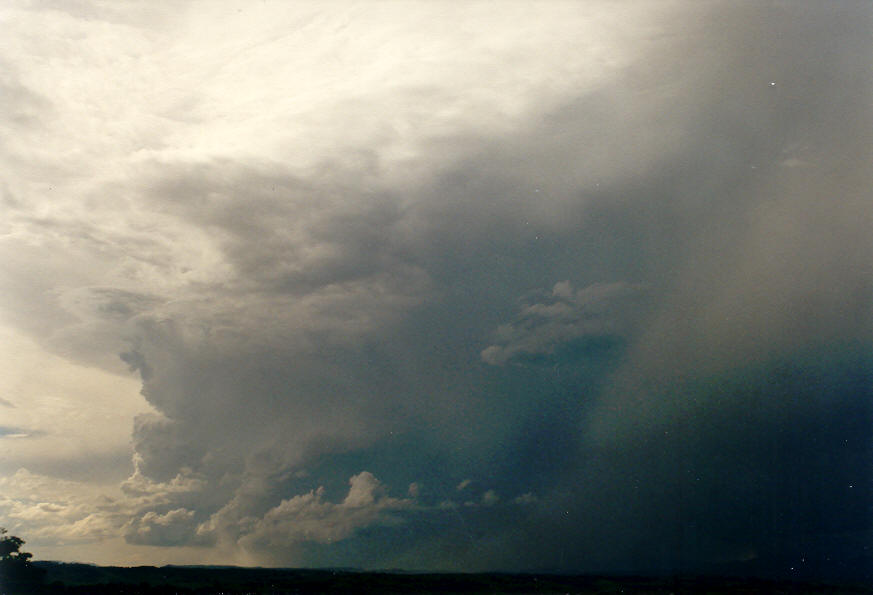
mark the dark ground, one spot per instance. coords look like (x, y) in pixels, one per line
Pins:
(84, 578)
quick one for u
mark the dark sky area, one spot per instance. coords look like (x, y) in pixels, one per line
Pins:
(490, 286)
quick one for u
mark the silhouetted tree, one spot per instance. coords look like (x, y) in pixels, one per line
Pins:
(17, 574)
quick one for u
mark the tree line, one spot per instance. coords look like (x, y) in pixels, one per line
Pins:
(17, 573)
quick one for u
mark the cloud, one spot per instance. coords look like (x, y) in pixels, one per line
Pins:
(596, 313)
(175, 527)
(10, 432)
(490, 498)
(184, 482)
(56, 510)
(309, 517)
(76, 418)
(526, 498)
(307, 231)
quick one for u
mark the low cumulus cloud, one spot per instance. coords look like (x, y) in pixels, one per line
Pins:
(171, 528)
(53, 510)
(598, 313)
(308, 517)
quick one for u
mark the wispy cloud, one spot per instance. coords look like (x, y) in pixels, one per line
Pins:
(13, 432)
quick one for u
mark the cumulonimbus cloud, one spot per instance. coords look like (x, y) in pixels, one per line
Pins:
(314, 279)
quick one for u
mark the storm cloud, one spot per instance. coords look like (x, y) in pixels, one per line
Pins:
(590, 277)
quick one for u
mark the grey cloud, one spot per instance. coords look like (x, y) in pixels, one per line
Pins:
(284, 234)
(775, 265)
(164, 513)
(11, 432)
(526, 498)
(256, 400)
(71, 466)
(164, 446)
(108, 303)
(50, 290)
(139, 485)
(596, 312)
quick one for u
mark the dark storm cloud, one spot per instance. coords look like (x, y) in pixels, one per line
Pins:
(726, 173)
(736, 423)
(739, 421)
(776, 262)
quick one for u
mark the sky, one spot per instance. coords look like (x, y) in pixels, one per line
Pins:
(577, 286)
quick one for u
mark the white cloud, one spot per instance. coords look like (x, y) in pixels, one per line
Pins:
(46, 509)
(50, 511)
